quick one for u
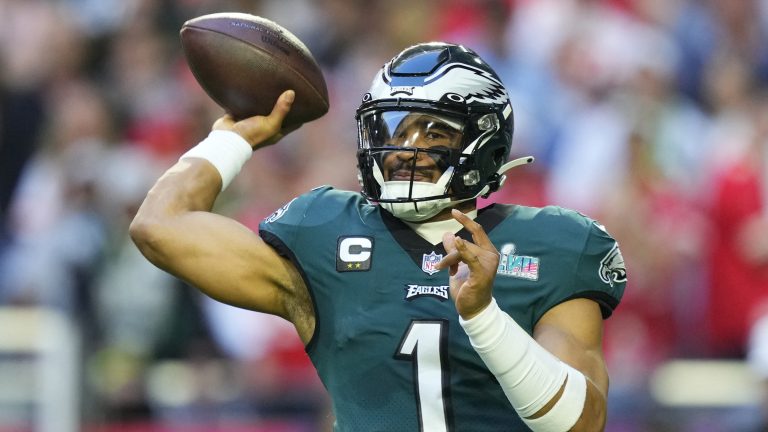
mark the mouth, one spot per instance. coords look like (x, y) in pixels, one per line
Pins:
(405, 175)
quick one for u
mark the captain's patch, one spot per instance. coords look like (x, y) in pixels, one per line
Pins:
(354, 253)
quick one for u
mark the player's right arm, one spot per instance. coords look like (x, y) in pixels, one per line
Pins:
(175, 230)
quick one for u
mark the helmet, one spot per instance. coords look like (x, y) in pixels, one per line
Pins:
(446, 98)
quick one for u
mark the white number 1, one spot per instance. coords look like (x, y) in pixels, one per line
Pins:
(423, 344)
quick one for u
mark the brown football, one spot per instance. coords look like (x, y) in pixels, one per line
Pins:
(244, 62)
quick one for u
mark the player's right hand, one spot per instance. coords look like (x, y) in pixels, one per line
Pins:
(261, 131)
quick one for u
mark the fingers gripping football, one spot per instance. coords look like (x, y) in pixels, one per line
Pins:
(472, 267)
(261, 131)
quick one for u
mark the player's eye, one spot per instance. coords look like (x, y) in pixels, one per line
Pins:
(398, 139)
(439, 136)
(434, 136)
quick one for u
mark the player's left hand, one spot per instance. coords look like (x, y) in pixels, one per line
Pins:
(472, 267)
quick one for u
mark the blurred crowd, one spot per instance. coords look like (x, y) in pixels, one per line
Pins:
(648, 115)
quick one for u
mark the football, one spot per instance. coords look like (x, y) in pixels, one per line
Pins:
(244, 62)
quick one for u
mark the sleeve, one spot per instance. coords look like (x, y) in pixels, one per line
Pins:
(281, 229)
(600, 271)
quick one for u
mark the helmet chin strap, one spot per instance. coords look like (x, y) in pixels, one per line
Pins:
(502, 178)
(525, 160)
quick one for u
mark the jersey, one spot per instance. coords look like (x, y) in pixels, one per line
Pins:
(388, 345)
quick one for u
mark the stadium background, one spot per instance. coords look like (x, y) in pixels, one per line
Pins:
(649, 115)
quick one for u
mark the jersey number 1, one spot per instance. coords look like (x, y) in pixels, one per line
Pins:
(424, 344)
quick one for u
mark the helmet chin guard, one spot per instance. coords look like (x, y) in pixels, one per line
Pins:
(415, 211)
(434, 130)
(400, 197)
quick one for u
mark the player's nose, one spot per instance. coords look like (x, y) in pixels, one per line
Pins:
(411, 153)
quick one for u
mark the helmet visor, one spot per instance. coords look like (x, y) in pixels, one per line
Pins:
(411, 129)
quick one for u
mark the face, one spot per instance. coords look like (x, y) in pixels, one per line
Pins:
(423, 131)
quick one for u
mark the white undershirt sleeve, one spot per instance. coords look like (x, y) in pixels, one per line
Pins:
(529, 374)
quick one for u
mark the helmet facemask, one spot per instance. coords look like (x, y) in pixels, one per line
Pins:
(442, 145)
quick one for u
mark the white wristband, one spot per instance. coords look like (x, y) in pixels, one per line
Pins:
(225, 150)
(529, 374)
(567, 409)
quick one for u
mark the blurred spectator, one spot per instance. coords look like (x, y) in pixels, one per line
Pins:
(54, 215)
(707, 29)
(739, 242)
(21, 115)
(142, 78)
(23, 74)
(592, 132)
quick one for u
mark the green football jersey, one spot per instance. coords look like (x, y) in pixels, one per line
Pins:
(388, 345)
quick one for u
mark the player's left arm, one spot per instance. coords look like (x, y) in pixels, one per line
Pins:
(556, 380)
(573, 332)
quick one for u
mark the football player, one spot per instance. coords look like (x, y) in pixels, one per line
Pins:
(419, 311)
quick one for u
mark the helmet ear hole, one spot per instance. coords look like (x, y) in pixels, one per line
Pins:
(499, 156)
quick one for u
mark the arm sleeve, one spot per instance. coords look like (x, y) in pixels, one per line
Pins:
(285, 223)
(601, 274)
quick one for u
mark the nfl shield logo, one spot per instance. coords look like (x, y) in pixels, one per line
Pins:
(429, 261)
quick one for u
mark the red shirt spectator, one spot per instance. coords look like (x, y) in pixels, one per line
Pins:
(738, 264)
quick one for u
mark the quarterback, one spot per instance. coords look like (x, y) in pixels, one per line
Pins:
(420, 311)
